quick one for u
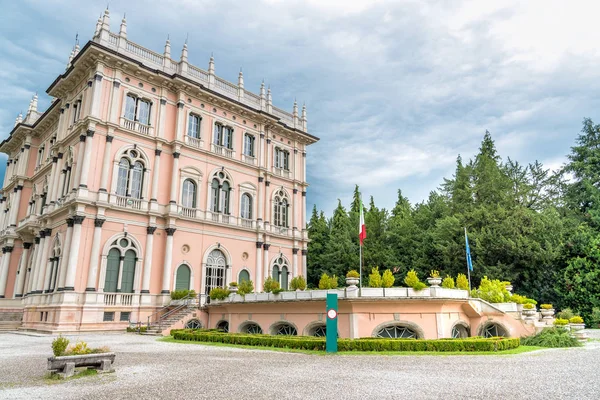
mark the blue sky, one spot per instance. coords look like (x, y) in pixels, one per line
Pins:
(394, 89)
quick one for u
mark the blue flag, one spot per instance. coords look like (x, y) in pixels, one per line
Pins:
(469, 261)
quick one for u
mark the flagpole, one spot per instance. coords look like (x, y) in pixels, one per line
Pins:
(468, 267)
(360, 268)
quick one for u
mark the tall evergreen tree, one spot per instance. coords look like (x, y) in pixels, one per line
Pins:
(318, 233)
(341, 253)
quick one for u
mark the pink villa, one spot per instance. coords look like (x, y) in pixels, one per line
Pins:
(148, 175)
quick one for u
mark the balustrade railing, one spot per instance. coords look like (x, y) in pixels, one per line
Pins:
(136, 126)
(128, 202)
(194, 142)
(118, 299)
(282, 172)
(188, 212)
(224, 151)
(249, 159)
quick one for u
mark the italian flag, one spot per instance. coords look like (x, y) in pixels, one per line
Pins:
(362, 229)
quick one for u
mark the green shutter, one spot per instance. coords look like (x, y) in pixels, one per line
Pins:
(182, 281)
(244, 276)
(284, 278)
(112, 271)
(128, 272)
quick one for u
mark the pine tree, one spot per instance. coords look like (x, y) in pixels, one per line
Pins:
(341, 253)
(318, 233)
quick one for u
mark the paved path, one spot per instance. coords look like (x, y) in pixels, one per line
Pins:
(147, 369)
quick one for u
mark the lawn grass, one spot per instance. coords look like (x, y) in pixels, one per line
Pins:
(518, 350)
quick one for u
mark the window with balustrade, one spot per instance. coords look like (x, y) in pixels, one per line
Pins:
(282, 159)
(121, 262)
(220, 193)
(188, 197)
(246, 206)
(249, 145)
(130, 174)
(223, 136)
(194, 126)
(280, 271)
(281, 209)
(137, 109)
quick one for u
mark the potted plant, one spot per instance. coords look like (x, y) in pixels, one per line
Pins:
(547, 311)
(576, 323)
(233, 287)
(562, 323)
(529, 310)
(298, 283)
(352, 278)
(434, 279)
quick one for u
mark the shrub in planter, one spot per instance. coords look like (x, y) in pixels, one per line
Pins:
(352, 274)
(566, 313)
(412, 280)
(375, 278)
(388, 279)
(245, 287)
(462, 282)
(298, 283)
(434, 273)
(448, 282)
(576, 320)
(59, 345)
(327, 282)
(270, 285)
(551, 337)
(233, 284)
(180, 294)
(561, 322)
(546, 306)
(528, 306)
(81, 348)
(219, 294)
(492, 290)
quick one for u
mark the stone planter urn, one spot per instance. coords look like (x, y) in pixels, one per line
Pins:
(547, 313)
(351, 282)
(434, 282)
(509, 288)
(529, 313)
(233, 289)
(577, 327)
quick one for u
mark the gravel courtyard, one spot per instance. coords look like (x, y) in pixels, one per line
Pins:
(148, 369)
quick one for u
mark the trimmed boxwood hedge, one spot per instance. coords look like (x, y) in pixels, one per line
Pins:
(363, 344)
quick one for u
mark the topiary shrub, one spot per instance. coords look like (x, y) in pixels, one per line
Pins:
(492, 291)
(59, 345)
(245, 287)
(375, 278)
(388, 279)
(333, 282)
(551, 337)
(566, 313)
(352, 274)
(81, 348)
(462, 282)
(448, 282)
(412, 280)
(298, 283)
(180, 294)
(270, 285)
(576, 320)
(561, 322)
(328, 282)
(219, 294)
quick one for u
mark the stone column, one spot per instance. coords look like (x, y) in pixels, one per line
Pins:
(64, 262)
(266, 263)
(106, 163)
(268, 162)
(267, 205)
(54, 178)
(166, 280)
(180, 123)
(261, 151)
(15, 206)
(87, 159)
(25, 156)
(155, 176)
(74, 253)
(48, 279)
(148, 259)
(96, 95)
(174, 180)
(303, 220)
(6, 251)
(114, 102)
(41, 260)
(29, 279)
(6, 172)
(304, 166)
(304, 252)
(295, 262)
(162, 117)
(258, 271)
(80, 161)
(34, 268)
(294, 211)
(261, 199)
(20, 284)
(95, 255)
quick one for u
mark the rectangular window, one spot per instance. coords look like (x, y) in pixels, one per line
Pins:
(144, 112)
(194, 126)
(286, 160)
(249, 145)
(218, 137)
(75, 115)
(125, 316)
(130, 106)
(228, 137)
(109, 316)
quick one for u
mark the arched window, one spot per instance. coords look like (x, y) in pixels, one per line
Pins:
(494, 330)
(280, 272)
(130, 175)
(182, 280)
(120, 266)
(284, 328)
(244, 276)
(280, 209)
(216, 266)
(193, 324)
(188, 199)
(246, 206)
(194, 126)
(223, 326)
(251, 328)
(220, 193)
(396, 332)
(318, 330)
(459, 331)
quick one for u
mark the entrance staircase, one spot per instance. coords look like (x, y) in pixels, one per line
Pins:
(171, 316)
(10, 320)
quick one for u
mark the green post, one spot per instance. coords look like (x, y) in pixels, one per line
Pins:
(332, 325)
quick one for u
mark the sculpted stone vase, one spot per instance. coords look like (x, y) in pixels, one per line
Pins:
(434, 282)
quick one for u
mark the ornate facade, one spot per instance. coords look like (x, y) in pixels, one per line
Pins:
(144, 176)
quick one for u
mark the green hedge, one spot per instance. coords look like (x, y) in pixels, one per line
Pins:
(363, 344)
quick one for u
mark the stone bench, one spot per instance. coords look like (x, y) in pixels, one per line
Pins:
(65, 366)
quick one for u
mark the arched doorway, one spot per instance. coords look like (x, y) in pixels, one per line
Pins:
(216, 266)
